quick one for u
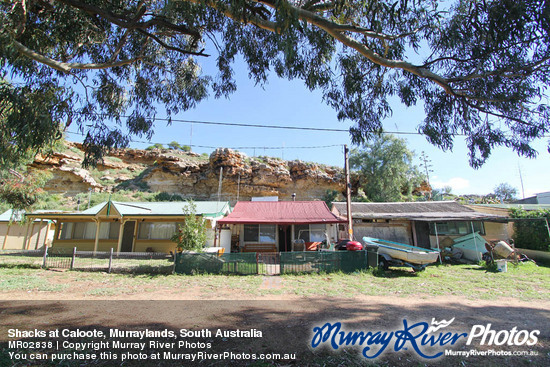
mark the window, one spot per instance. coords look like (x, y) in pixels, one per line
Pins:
(66, 231)
(109, 230)
(156, 230)
(310, 232)
(86, 230)
(259, 233)
(456, 228)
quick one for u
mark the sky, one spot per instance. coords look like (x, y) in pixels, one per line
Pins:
(289, 103)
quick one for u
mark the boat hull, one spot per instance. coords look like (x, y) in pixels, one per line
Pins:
(406, 253)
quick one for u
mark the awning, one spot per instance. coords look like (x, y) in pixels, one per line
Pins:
(281, 212)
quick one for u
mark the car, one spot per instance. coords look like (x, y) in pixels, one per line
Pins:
(348, 245)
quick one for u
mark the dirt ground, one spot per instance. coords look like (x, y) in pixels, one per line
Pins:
(286, 321)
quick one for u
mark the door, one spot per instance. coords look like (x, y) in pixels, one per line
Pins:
(284, 238)
(128, 236)
(422, 230)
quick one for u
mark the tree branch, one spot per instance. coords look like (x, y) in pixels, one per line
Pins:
(131, 23)
(168, 47)
(65, 66)
(253, 19)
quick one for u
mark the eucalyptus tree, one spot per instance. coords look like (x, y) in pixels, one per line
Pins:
(478, 68)
(385, 168)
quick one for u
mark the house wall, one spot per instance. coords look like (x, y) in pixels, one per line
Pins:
(401, 231)
(493, 232)
(238, 230)
(16, 232)
(509, 227)
(85, 245)
(154, 245)
(397, 230)
(139, 245)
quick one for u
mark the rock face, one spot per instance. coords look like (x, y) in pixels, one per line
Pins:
(190, 175)
(242, 178)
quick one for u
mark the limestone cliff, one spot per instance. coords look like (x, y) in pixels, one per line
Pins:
(190, 175)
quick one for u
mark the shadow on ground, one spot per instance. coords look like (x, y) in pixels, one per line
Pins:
(286, 327)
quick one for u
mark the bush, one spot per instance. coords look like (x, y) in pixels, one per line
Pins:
(165, 196)
(191, 235)
(531, 234)
(155, 146)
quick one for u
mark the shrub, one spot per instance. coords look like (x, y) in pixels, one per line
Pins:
(531, 234)
(191, 235)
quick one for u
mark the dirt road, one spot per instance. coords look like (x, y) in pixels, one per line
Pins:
(286, 324)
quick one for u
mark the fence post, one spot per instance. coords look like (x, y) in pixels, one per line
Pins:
(73, 259)
(175, 258)
(45, 255)
(257, 260)
(110, 260)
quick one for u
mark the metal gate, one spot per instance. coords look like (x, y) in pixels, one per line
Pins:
(269, 263)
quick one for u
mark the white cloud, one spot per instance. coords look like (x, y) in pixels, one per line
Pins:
(457, 183)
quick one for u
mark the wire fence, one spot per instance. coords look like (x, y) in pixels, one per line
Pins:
(110, 261)
(243, 263)
(323, 262)
(191, 263)
(31, 258)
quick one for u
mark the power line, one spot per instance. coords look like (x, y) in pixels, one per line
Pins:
(281, 127)
(213, 147)
(287, 127)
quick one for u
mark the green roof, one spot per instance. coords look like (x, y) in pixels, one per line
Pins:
(17, 217)
(7, 216)
(204, 208)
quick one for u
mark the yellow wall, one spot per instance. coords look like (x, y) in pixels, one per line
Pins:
(16, 235)
(493, 232)
(81, 245)
(138, 246)
(497, 231)
(156, 245)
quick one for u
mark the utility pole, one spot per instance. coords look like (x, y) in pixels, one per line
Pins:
(220, 185)
(521, 180)
(348, 193)
(426, 163)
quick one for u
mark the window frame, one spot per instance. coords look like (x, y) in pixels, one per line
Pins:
(111, 233)
(309, 230)
(258, 230)
(150, 232)
(451, 228)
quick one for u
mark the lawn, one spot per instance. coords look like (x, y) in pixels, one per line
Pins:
(525, 281)
(284, 307)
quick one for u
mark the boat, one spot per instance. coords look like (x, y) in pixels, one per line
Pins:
(395, 253)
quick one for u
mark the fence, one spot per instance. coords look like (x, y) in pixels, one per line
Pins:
(22, 257)
(135, 262)
(232, 263)
(193, 263)
(323, 261)
(271, 264)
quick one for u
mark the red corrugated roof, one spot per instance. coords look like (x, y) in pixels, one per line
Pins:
(281, 212)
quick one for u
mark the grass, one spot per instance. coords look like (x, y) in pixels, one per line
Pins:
(23, 278)
(524, 282)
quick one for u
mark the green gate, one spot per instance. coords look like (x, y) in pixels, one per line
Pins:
(323, 261)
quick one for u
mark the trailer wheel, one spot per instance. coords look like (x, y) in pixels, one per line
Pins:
(383, 263)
